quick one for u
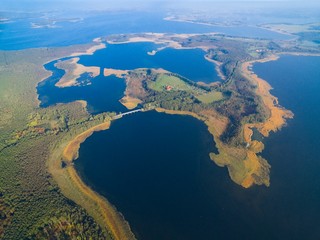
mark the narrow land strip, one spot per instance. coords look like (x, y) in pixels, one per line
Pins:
(74, 188)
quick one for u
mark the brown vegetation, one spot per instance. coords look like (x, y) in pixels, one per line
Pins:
(77, 190)
(73, 70)
(89, 51)
(278, 115)
(130, 102)
(118, 73)
(244, 166)
(70, 153)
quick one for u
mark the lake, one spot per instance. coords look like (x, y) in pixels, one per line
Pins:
(103, 93)
(32, 30)
(189, 63)
(156, 170)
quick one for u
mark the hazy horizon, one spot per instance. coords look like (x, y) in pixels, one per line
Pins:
(38, 5)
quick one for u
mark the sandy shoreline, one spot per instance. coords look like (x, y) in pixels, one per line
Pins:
(161, 38)
(157, 38)
(74, 188)
(276, 119)
(229, 157)
(91, 50)
(73, 70)
(173, 19)
(217, 67)
(118, 73)
(277, 114)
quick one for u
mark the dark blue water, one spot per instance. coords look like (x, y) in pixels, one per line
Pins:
(189, 63)
(18, 33)
(155, 169)
(102, 95)
(294, 152)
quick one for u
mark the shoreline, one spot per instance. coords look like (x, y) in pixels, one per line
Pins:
(230, 156)
(173, 19)
(75, 189)
(275, 121)
(217, 67)
(161, 38)
(253, 169)
(278, 115)
(54, 58)
(116, 72)
(130, 102)
(73, 70)
(90, 51)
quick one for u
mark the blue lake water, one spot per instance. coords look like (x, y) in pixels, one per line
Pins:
(19, 34)
(294, 151)
(155, 169)
(189, 63)
(104, 93)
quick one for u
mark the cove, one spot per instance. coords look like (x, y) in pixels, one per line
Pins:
(189, 63)
(102, 94)
(155, 169)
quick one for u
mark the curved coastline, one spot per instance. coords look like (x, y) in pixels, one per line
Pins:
(73, 70)
(75, 189)
(87, 50)
(278, 114)
(245, 167)
(275, 121)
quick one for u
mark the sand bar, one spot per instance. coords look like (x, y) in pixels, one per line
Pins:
(73, 70)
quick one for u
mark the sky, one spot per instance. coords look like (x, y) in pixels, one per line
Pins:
(35, 5)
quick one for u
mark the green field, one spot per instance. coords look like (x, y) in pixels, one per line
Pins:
(210, 97)
(177, 84)
(164, 80)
